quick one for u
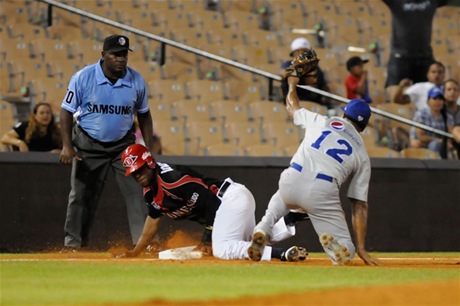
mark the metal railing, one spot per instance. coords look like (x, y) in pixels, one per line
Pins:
(270, 76)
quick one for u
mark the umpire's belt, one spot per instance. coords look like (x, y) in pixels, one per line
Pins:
(105, 144)
(319, 176)
(224, 187)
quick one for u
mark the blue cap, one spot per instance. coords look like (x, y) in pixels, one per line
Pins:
(358, 110)
(435, 92)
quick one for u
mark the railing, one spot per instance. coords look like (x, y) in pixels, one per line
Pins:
(270, 76)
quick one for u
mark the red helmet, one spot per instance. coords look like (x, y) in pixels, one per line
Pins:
(135, 156)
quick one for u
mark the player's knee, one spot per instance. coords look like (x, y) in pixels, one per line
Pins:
(219, 251)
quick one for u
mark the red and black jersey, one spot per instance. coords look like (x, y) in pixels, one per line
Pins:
(182, 193)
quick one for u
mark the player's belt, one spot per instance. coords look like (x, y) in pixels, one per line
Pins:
(319, 176)
(223, 188)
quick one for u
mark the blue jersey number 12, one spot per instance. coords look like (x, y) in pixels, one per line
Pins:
(334, 152)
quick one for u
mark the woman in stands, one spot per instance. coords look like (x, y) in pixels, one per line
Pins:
(39, 133)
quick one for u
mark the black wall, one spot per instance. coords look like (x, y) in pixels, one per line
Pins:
(413, 205)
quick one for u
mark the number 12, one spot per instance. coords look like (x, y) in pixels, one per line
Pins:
(334, 152)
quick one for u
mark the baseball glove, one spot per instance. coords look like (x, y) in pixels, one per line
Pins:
(305, 67)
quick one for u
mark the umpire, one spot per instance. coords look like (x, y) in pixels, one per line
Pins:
(103, 98)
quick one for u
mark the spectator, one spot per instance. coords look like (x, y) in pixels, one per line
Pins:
(356, 82)
(417, 93)
(107, 95)
(225, 208)
(432, 116)
(451, 93)
(39, 133)
(298, 46)
(410, 51)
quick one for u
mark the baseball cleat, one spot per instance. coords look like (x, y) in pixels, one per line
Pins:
(255, 251)
(341, 253)
(294, 253)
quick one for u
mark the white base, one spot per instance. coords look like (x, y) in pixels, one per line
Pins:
(180, 253)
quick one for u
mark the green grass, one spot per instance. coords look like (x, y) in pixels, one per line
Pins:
(61, 283)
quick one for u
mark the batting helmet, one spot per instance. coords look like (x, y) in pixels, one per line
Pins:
(135, 156)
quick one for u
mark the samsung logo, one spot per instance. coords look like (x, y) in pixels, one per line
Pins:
(109, 109)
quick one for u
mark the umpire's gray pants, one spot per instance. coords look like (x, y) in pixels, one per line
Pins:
(87, 182)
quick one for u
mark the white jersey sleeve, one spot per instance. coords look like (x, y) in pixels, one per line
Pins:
(305, 118)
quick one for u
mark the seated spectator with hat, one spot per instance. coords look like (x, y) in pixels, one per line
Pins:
(356, 83)
(298, 46)
(433, 117)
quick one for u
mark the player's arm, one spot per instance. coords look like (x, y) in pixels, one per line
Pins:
(148, 233)
(146, 127)
(359, 220)
(292, 100)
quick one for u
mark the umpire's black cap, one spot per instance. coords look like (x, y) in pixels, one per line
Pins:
(116, 43)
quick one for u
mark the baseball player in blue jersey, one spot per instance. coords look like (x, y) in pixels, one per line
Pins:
(104, 99)
(331, 152)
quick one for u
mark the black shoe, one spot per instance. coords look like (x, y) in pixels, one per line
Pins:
(292, 218)
(294, 253)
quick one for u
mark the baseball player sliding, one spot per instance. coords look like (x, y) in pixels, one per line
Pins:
(225, 208)
(331, 152)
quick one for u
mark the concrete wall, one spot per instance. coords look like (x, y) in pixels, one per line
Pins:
(414, 205)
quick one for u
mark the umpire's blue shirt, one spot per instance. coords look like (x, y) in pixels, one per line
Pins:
(105, 110)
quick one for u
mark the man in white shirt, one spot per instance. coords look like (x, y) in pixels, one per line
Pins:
(417, 93)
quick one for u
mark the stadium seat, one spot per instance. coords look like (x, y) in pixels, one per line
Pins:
(242, 133)
(243, 91)
(228, 111)
(172, 136)
(266, 112)
(382, 152)
(166, 90)
(263, 150)
(203, 134)
(419, 153)
(223, 149)
(161, 110)
(239, 21)
(205, 90)
(281, 134)
(191, 111)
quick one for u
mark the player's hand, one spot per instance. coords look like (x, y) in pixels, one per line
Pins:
(67, 154)
(205, 248)
(126, 254)
(368, 259)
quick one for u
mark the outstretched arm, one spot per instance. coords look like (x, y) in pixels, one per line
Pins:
(292, 100)
(148, 233)
(359, 220)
